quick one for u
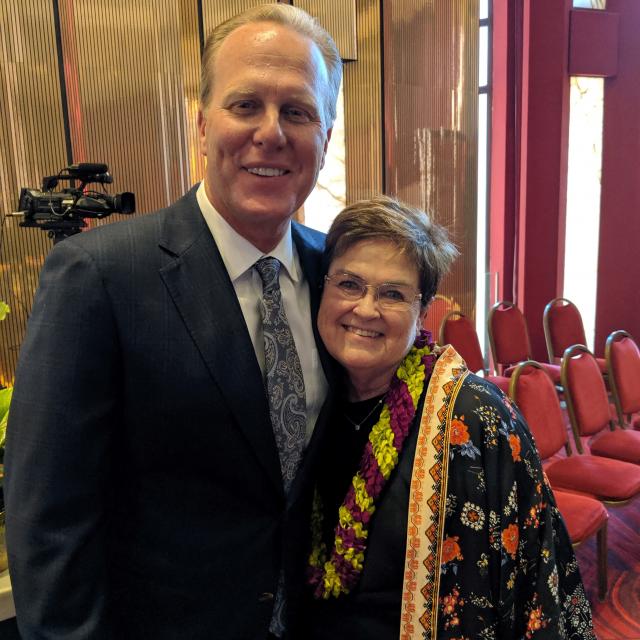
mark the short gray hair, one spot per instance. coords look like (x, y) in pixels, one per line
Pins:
(411, 229)
(288, 16)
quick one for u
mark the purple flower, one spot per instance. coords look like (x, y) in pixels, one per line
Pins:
(401, 413)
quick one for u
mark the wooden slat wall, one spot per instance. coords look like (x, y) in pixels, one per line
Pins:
(32, 145)
(131, 69)
(431, 116)
(131, 76)
(131, 79)
(363, 107)
(338, 17)
(215, 12)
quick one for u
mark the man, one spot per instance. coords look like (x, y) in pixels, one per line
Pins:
(144, 487)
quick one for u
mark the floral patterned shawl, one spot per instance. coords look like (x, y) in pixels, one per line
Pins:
(487, 554)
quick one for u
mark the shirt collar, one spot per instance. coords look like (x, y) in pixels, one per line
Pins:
(238, 254)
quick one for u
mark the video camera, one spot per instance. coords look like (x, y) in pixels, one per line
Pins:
(62, 213)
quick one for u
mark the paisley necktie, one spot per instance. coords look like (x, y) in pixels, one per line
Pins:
(285, 390)
(285, 384)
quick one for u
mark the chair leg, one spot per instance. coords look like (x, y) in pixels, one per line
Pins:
(602, 562)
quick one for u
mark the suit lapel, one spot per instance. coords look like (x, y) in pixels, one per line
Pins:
(199, 285)
(310, 258)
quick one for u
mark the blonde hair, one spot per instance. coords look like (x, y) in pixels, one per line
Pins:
(411, 229)
(288, 16)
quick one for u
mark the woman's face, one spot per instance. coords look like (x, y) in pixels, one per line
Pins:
(367, 339)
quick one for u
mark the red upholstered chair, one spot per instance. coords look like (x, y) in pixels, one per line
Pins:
(589, 412)
(457, 330)
(606, 479)
(509, 339)
(563, 328)
(585, 516)
(533, 391)
(438, 309)
(623, 364)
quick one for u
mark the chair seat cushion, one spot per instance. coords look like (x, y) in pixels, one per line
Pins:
(603, 478)
(620, 444)
(582, 515)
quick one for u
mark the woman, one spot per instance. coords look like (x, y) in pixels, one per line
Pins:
(432, 517)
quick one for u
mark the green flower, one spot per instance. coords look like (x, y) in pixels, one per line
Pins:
(5, 401)
(326, 577)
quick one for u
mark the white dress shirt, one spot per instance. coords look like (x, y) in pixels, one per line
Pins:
(239, 256)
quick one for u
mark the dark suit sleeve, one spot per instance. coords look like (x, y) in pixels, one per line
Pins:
(58, 455)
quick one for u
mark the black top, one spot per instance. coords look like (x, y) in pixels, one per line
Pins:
(351, 424)
(375, 611)
(507, 566)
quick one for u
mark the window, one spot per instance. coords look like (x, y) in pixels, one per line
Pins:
(583, 198)
(482, 275)
(329, 196)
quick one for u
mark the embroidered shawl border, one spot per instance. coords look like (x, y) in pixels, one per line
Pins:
(427, 500)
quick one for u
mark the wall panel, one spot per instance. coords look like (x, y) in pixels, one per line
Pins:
(363, 107)
(543, 148)
(431, 116)
(129, 93)
(215, 12)
(132, 75)
(130, 79)
(338, 17)
(618, 301)
(32, 145)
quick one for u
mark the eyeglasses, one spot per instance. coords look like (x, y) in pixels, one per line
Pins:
(387, 295)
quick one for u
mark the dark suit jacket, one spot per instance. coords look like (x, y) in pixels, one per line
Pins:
(143, 487)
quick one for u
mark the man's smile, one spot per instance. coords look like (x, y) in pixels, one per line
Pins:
(267, 172)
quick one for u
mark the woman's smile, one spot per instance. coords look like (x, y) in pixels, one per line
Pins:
(365, 333)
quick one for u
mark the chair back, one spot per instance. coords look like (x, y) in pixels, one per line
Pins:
(458, 330)
(623, 367)
(585, 393)
(532, 389)
(439, 307)
(563, 327)
(508, 334)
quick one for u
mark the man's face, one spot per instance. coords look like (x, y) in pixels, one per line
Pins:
(264, 130)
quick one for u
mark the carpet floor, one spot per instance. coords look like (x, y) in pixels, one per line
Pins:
(618, 617)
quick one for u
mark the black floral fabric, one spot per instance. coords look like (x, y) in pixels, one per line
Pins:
(508, 568)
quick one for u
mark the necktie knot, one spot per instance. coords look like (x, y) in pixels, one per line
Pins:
(269, 269)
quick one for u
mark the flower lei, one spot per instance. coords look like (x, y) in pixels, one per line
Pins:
(337, 573)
